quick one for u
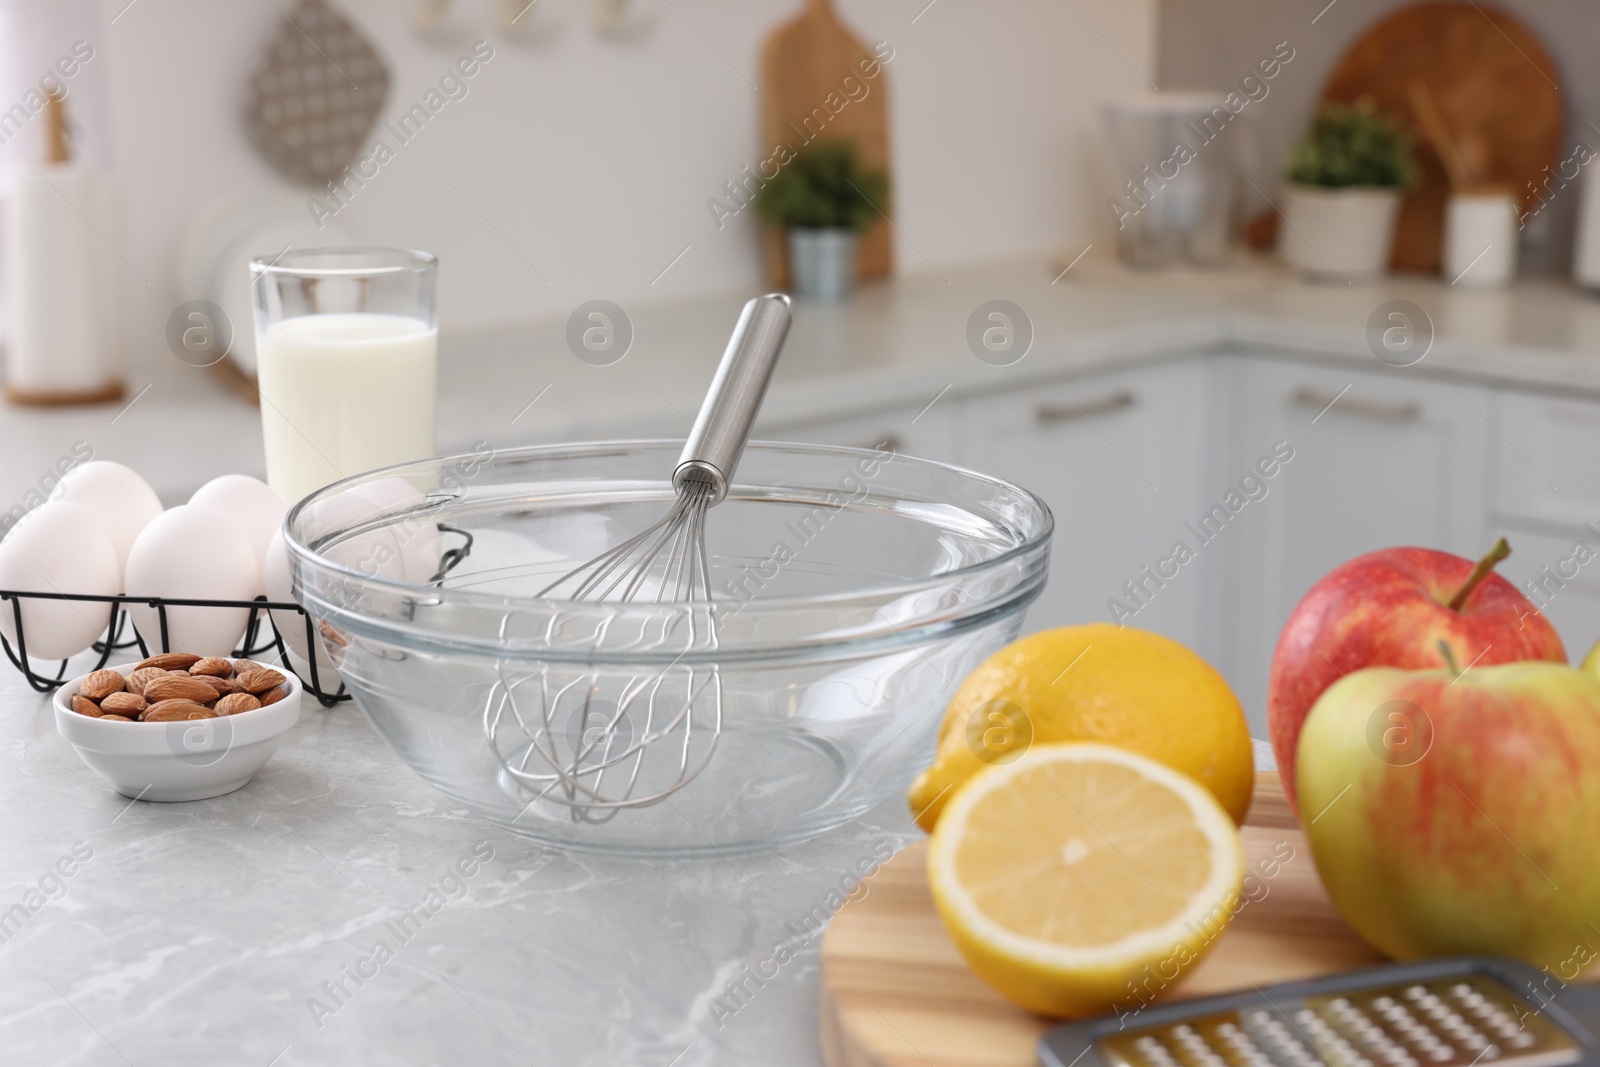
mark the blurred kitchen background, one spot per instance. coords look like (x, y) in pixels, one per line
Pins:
(1205, 43)
(595, 155)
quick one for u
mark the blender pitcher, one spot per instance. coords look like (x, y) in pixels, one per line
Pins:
(1172, 156)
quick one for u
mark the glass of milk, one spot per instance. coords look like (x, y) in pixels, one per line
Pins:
(347, 352)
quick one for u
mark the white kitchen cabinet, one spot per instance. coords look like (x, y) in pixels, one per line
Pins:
(1545, 459)
(1380, 459)
(1547, 504)
(1560, 574)
(929, 432)
(1122, 460)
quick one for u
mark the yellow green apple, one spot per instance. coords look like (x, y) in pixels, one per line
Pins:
(1458, 812)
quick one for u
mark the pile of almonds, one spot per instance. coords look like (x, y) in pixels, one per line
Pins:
(176, 686)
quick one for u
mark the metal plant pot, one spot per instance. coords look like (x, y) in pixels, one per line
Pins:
(823, 263)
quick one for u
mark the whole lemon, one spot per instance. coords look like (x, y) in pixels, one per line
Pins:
(1129, 688)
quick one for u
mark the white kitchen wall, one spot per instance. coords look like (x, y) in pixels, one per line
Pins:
(590, 160)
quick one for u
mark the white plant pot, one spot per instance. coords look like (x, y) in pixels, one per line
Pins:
(1480, 239)
(1344, 234)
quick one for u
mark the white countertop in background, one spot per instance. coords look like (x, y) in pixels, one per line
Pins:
(897, 343)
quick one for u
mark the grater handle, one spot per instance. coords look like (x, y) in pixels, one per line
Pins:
(723, 426)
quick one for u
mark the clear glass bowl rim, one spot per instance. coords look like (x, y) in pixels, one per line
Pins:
(1036, 540)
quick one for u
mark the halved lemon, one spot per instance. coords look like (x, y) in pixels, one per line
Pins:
(1082, 876)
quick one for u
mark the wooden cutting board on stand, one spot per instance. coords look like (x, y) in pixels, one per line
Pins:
(803, 70)
(1495, 86)
(896, 992)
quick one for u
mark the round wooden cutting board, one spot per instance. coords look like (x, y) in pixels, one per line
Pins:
(896, 993)
(1492, 81)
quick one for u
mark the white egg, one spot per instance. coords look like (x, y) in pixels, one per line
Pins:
(406, 548)
(124, 502)
(280, 590)
(418, 537)
(192, 552)
(249, 504)
(58, 547)
(372, 552)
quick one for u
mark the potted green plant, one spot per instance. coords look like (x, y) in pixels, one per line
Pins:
(824, 198)
(1345, 182)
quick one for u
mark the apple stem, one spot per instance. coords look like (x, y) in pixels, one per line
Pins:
(1449, 658)
(1499, 552)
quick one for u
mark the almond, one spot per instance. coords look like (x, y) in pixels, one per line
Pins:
(101, 684)
(332, 636)
(129, 704)
(242, 665)
(223, 686)
(171, 661)
(272, 696)
(158, 705)
(234, 703)
(141, 678)
(214, 666)
(259, 680)
(115, 718)
(177, 711)
(179, 687)
(84, 706)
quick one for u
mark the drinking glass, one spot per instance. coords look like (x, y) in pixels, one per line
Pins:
(347, 358)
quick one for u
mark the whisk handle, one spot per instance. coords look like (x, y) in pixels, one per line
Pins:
(723, 425)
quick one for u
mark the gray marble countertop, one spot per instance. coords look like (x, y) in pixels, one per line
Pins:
(244, 931)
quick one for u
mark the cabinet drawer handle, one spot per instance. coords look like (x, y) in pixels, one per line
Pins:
(1046, 414)
(1398, 411)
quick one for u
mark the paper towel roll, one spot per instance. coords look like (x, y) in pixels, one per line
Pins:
(63, 293)
(45, 46)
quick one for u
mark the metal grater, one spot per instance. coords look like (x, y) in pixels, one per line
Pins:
(1437, 1013)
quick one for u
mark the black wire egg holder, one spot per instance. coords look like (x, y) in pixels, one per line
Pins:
(253, 646)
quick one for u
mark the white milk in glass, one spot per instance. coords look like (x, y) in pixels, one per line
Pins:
(344, 393)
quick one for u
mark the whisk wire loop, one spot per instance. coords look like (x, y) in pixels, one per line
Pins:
(599, 741)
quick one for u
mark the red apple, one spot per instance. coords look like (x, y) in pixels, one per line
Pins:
(1391, 608)
(1455, 813)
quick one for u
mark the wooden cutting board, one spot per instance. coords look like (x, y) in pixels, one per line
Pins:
(803, 70)
(896, 993)
(1493, 82)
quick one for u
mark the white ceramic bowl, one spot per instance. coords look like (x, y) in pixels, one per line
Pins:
(170, 761)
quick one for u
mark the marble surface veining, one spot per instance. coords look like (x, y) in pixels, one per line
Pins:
(337, 910)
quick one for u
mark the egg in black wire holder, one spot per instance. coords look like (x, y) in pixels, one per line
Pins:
(255, 644)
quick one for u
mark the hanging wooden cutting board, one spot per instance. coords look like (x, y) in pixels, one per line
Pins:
(896, 992)
(804, 64)
(1492, 80)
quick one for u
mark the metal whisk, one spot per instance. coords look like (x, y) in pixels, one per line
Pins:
(598, 741)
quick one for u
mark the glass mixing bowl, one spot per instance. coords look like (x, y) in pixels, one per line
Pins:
(853, 591)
